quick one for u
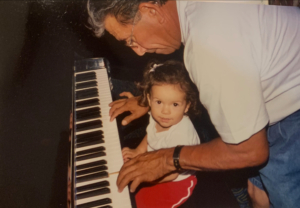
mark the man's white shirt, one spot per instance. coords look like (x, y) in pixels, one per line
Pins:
(245, 61)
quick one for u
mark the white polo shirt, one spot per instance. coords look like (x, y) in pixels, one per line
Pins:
(245, 61)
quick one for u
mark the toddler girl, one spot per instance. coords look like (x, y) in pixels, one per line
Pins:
(171, 95)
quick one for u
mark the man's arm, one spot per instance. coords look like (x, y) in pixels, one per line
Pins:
(130, 104)
(215, 155)
(169, 177)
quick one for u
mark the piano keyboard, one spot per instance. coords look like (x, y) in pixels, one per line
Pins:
(97, 156)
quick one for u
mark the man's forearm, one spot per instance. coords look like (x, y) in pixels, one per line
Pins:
(217, 155)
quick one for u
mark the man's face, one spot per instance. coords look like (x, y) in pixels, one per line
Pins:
(146, 36)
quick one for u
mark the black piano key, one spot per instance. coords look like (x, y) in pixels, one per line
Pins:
(97, 192)
(90, 156)
(86, 90)
(89, 110)
(105, 206)
(89, 125)
(90, 165)
(87, 103)
(89, 143)
(92, 186)
(88, 114)
(95, 203)
(91, 170)
(90, 177)
(85, 77)
(86, 85)
(89, 93)
(89, 151)
(89, 139)
(89, 136)
(93, 193)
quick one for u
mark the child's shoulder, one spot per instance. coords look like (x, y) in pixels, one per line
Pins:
(185, 127)
(185, 133)
(186, 123)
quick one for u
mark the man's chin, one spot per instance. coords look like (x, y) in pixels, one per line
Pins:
(165, 51)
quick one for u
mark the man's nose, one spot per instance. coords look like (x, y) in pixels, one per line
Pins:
(139, 50)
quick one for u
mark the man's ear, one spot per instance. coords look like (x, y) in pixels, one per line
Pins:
(153, 10)
(148, 98)
(187, 107)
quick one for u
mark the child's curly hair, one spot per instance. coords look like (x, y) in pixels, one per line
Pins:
(170, 72)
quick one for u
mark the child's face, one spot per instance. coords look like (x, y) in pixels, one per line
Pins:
(168, 104)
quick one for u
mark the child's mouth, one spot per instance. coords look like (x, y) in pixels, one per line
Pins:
(165, 119)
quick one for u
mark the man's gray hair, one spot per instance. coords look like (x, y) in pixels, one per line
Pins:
(125, 12)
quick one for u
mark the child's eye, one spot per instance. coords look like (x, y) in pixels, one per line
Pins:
(158, 102)
(175, 104)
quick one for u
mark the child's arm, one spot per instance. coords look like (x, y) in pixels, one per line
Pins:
(128, 153)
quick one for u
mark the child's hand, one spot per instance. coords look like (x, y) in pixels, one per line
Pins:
(128, 153)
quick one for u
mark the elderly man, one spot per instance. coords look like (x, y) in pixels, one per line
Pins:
(245, 61)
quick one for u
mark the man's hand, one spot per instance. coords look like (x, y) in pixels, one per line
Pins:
(128, 153)
(146, 167)
(169, 177)
(130, 104)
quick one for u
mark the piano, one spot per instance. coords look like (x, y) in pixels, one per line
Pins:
(96, 156)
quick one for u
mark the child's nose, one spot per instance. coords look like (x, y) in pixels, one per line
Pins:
(166, 110)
